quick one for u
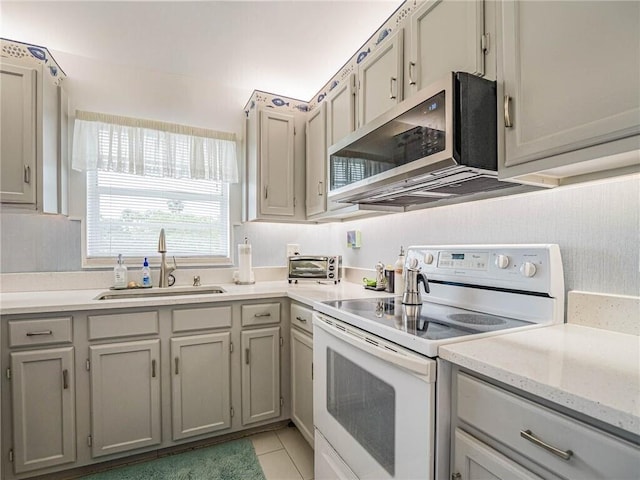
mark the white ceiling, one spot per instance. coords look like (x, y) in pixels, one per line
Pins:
(193, 62)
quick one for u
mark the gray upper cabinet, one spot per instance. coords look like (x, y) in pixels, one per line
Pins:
(571, 76)
(380, 79)
(445, 36)
(18, 103)
(34, 142)
(275, 170)
(316, 132)
(341, 110)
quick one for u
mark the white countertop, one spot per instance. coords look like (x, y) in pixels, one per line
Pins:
(72, 300)
(589, 370)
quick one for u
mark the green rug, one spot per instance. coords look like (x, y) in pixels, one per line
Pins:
(228, 461)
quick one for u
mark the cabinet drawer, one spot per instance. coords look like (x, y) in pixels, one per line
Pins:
(40, 332)
(188, 319)
(123, 325)
(260, 314)
(302, 317)
(503, 416)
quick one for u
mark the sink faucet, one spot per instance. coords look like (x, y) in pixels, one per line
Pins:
(166, 279)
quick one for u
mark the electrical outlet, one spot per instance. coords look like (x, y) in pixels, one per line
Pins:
(292, 249)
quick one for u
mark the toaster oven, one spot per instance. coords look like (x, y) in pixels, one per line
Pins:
(315, 267)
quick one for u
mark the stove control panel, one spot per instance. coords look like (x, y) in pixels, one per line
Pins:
(533, 268)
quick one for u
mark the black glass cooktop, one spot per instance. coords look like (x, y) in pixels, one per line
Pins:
(430, 321)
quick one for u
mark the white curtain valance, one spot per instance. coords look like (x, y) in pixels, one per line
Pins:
(142, 147)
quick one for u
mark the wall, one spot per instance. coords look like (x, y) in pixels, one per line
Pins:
(597, 226)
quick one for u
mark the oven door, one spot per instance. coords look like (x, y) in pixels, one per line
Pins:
(374, 402)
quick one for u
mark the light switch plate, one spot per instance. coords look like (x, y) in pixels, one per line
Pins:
(354, 239)
(293, 249)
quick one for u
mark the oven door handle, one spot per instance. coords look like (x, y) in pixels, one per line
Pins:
(422, 366)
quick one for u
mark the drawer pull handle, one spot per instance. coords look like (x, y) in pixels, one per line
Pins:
(65, 379)
(300, 319)
(508, 123)
(528, 435)
(43, 332)
(258, 315)
(246, 356)
(153, 368)
(411, 80)
(177, 367)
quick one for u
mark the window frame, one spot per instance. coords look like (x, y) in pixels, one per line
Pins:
(78, 213)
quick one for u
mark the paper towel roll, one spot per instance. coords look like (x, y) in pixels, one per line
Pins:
(244, 263)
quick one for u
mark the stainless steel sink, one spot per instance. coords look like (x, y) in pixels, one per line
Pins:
(158, 292)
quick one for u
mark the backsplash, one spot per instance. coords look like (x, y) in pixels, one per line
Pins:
(618, 313)
(597, 226)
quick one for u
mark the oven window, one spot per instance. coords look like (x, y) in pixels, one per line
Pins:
(307, 268)
(364, 405)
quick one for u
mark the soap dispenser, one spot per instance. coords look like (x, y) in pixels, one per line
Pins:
(120, 274)
(146, 273)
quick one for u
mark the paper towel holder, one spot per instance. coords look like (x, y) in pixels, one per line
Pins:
(244, 274)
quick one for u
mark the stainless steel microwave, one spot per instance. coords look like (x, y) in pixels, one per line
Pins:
(315, 267)
(439, 143)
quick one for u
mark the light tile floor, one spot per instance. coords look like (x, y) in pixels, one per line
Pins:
(284, 454)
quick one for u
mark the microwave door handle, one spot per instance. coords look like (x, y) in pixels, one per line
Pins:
(421, 366)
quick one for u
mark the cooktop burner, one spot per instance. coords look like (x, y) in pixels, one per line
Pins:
(429, 321)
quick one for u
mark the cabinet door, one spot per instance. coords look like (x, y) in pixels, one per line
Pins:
(341, 110)
(571, 75)
(43, 397)
(125, 396)
(302, 383)
(316, 193)
(276, 163)
(260, 374)
(380, 79)
(474, 460)
(200, 384)
(18, 134)
(446, 36)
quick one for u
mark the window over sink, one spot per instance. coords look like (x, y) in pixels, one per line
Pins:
(142, 176)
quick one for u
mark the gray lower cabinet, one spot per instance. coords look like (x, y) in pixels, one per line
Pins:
(97, 386)
(125, 396)
(261, 398)
(500, 434)
(475, 460)
(43, 398)
(200, 384)
(302, 382)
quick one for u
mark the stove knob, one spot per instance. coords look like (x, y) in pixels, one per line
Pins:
(528, 269)
(428, 258)
(502, 261)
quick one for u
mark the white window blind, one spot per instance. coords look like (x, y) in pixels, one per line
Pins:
(141, 179)
(126, 212)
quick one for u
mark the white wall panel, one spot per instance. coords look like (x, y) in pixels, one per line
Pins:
(597, 226)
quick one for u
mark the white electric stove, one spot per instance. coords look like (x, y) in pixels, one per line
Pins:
(375, 390)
